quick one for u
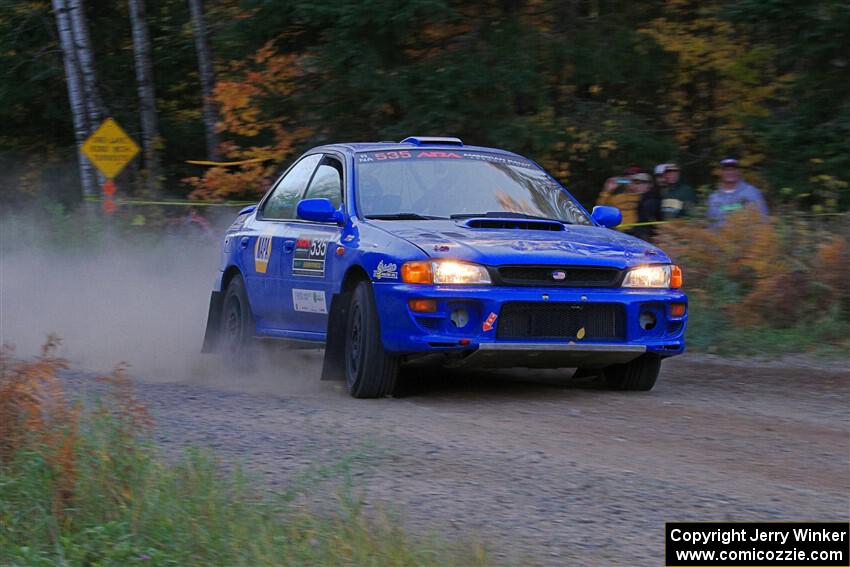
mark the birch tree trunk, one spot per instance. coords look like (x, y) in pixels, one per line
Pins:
(85, 56)
(76, 94)
(207, 75)
(147, 98)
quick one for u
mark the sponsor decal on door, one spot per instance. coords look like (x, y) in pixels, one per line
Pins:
(309, 258)
(309, 301)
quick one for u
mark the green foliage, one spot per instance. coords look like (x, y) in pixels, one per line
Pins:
(91, 489)
(586, 88)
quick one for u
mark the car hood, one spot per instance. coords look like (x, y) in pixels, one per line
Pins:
(576, 245)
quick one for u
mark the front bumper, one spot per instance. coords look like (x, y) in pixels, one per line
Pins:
(406, 332)
(549, 355)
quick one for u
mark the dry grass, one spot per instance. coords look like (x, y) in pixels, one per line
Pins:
(80, 484)
(781, 283)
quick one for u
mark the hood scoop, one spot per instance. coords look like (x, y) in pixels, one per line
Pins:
(515, 224)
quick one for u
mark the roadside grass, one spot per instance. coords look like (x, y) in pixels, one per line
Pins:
(711, 331)
(84, 485)
(769, 287)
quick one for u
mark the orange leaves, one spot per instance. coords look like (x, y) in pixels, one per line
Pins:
(240, 97)
(235, 103)
(36, 417)
(833, 267)
(265, 79)
(32, 405)
(763, 272)
(229, 183)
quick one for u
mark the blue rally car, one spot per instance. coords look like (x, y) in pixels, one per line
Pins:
(385, 252)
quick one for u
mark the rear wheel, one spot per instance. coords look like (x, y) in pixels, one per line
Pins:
(369, 371)
(639, 374)
(236, 340)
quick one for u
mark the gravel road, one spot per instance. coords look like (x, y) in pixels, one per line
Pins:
(542, 469)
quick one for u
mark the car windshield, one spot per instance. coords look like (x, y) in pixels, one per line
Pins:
(429, 184)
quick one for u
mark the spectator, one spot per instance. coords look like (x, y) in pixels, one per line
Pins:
(649, 206)
(660, 182)
(633, 169)
(733, 194)
(620, 192)
(678, 199)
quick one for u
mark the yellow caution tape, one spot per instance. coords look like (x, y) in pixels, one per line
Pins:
(227, 163)
(648, 223)
(179, 203)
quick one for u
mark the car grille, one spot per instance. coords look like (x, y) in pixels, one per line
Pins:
(573, 276)
(523, 320)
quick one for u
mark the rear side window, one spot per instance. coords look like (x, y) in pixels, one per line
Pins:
(327, 182)
(286, 194)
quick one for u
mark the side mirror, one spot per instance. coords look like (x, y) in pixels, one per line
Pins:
(609, 217)
(319, 210)
(246, 210)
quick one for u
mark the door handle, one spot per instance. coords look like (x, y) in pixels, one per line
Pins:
(244, 242)
(288, 246)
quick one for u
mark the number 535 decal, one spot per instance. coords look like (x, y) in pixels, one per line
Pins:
(309, 258)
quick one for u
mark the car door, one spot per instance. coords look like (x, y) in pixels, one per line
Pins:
(263, 246)
(308, 277)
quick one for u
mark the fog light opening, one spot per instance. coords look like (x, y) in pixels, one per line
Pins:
(423, 305)
(460, 318)
(647, 321)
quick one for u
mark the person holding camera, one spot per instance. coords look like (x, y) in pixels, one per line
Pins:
(619, 192)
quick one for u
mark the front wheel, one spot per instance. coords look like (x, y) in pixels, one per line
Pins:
(638, 375)
(369, 371)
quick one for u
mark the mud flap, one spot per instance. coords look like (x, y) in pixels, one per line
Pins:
(213, 322)
(333, 366)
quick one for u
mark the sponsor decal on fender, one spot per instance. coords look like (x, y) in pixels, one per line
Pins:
(386, 271)
(262, 253)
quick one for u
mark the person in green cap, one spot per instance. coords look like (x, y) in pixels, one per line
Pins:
(678, 199)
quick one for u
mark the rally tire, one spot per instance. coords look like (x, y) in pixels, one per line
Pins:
(638, 375)
(369, 371)
(236, 339)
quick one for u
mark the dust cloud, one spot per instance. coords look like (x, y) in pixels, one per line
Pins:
(140, 299)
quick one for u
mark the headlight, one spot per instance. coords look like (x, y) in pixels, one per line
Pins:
(654, 276)
(448, 272)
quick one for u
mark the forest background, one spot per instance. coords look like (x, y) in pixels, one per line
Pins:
(585, 87)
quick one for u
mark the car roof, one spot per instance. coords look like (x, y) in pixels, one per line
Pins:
(358, 147)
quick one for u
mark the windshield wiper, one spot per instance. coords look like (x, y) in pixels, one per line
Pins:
(504, 215)
(403, 216)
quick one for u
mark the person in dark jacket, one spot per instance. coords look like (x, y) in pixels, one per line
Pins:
(648, 208)
(678, 199)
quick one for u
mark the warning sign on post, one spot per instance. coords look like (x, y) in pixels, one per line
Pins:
(109, 148)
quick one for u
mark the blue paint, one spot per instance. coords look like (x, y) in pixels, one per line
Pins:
(316, 246)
